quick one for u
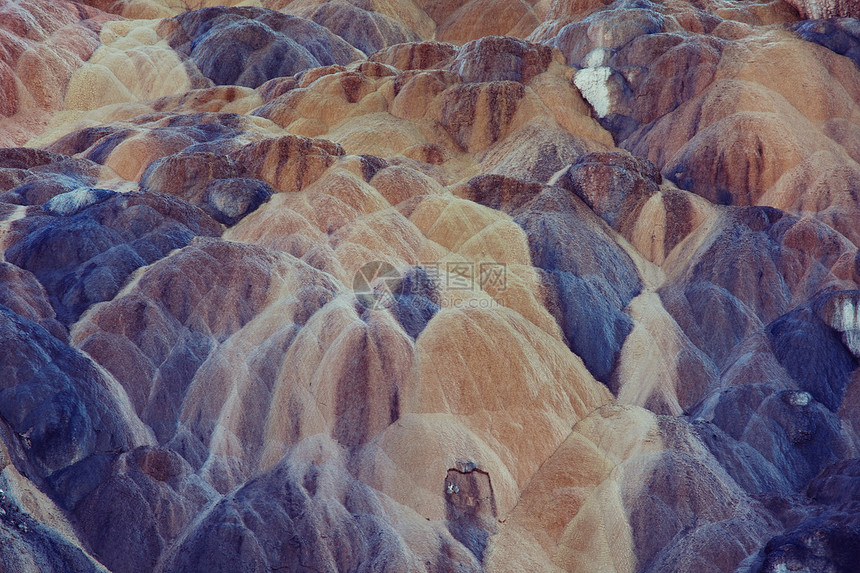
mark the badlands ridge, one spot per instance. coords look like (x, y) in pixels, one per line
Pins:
(618, 327)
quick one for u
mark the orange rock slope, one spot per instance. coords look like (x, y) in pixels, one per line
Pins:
(468, 285)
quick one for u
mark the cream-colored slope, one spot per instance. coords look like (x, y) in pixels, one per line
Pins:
(623, 484)
(133, 63)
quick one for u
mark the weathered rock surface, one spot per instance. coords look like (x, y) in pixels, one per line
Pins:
(826, 8)
(248, 46)
(42, 43)
(448, 285)
(103, 244)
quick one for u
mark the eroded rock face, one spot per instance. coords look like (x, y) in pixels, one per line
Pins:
(248, 46)
(153, 494)
(841, 35)
(477, 115)
(581, 266)
(613, 185)
(102, 244)
(59, 404)
(212, 182)
(826, 8)
(310, 485)
(33, 177)
(367, 30)
(415, 55)
(42, 43)
(499, 58)
(484, 285)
